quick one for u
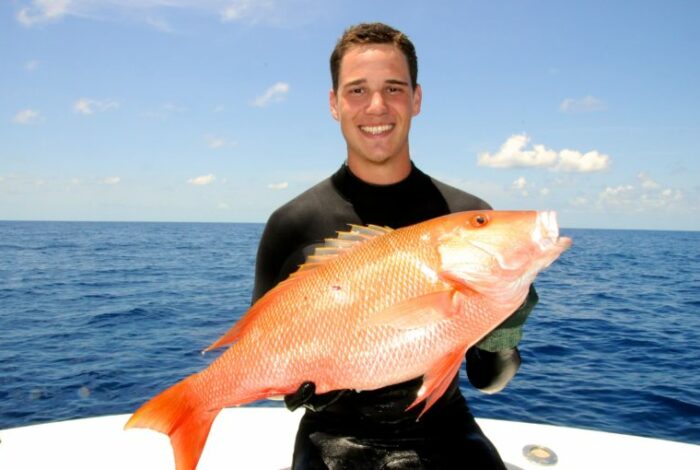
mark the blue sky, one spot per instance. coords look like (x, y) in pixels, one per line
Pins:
(217, 110)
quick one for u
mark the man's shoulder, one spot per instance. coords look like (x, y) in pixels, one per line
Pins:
(304, 206)
(319, 208)
(459, 200)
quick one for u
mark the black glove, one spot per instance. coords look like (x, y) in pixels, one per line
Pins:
(306, 396)
(490, 372)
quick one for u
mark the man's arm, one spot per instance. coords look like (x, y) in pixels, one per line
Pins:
(278, 255)
(493, 362)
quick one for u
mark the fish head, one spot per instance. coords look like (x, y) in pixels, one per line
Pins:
(498, 253)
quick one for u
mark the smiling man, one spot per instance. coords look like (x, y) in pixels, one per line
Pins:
(374, 97)
(374, 101)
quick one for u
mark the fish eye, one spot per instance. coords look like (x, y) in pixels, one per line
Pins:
(479, 220)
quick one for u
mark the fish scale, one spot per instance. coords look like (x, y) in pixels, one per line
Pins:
(372, 308)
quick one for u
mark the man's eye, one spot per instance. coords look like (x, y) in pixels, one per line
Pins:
(356, 91)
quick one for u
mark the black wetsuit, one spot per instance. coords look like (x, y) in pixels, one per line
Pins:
(372, 429)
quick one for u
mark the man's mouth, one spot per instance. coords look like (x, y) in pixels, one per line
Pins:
(376, 130)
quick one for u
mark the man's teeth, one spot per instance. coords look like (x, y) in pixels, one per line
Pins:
(377, 129)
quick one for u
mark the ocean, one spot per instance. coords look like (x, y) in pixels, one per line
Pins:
(97, 317)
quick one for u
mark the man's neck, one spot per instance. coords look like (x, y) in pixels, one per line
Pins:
(381, 173)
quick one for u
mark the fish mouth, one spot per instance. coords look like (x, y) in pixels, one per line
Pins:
(546, 233)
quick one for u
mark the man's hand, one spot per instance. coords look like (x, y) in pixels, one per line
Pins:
(490, 372)
(306, 396)
(494, 361)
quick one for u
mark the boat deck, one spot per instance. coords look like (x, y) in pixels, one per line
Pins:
(262, 438)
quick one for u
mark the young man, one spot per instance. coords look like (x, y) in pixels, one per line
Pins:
(375, 95)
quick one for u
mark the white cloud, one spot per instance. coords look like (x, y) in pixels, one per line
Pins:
(111, 180)
(647, 182)
(513, 153)
(575, 161)
(583, 105)
(83, 106)
(278, 186)
(217, 142)
(525, 188)
(202, 180)
(87, 106)
(31, 65)
(579, 201)
(165, 111)
(43, 11)
(520, 183)
(648, 195)
(239, 9)
(154, 13)
(173, 108)
(26, 116)
(663, 198)
(275, 93)
(617, 194)
(160, 24)
(270, 12)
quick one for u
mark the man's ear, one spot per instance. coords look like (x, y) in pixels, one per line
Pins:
(417, 99)
(333, 100)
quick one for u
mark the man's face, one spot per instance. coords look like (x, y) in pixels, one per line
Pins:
(375, 103)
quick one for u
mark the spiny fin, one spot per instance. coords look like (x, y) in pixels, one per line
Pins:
(345, 241)
(419, 312)
(436, 380)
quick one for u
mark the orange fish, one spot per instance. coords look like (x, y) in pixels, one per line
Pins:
(372, 308)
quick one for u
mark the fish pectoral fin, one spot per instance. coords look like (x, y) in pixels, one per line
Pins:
(437, 379)
(419, 312)
(457, 283)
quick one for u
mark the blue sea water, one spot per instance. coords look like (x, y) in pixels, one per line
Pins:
(97, 317)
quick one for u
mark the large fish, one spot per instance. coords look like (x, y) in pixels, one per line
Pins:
(371, 308)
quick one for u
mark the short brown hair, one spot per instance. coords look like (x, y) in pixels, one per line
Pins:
(373, 33)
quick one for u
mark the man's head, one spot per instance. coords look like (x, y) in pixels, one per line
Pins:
(374, 98)
(373, 33)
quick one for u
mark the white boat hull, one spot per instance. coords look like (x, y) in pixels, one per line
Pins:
(262, 438)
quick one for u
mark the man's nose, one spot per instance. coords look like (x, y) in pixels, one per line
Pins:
(377, 105)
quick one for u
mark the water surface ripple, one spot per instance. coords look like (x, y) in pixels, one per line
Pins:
(97, 317)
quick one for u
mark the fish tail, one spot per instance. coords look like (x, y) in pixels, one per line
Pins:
(178, 413)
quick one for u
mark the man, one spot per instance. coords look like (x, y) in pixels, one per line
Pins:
(374, 97)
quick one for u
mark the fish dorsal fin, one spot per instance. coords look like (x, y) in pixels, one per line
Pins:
(345, 241)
